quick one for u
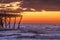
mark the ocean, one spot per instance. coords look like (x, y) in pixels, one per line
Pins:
(30, 31)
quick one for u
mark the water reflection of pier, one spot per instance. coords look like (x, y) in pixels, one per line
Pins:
(4, 16)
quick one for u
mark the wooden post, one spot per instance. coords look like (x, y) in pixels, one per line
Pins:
(19, 22)
(5, 23)
(14, 23)
(9, 22)
(1, 22)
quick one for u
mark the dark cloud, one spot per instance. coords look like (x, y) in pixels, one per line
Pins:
(8, 1)
(43, 4)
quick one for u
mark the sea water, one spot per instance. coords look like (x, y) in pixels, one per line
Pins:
(32, 32)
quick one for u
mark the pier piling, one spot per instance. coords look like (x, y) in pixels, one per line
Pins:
(7, 24)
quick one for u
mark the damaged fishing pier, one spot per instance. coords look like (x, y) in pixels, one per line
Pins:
(4, 15)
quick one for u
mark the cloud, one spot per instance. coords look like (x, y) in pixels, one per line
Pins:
(11, 6)
(14, 6)
(9, 1)
(30, 5)
(52, 5)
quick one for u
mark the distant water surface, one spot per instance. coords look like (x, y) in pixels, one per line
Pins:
(32, 32)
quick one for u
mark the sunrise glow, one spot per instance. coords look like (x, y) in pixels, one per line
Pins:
(41, 17)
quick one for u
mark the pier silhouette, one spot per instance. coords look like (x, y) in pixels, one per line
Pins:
(3, 19)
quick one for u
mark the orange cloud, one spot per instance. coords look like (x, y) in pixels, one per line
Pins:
(11, 6)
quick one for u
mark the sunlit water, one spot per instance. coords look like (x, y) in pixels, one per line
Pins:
(32, 32)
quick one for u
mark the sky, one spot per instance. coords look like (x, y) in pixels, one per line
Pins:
(41, 17)
(34, 11)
